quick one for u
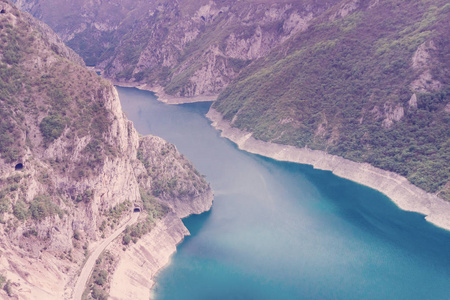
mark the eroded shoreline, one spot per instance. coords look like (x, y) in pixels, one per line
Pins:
(404, 194)
(162, 96)
(138, 266)
(135, 274)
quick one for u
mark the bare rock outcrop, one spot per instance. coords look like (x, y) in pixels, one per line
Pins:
(422, 62)
(392, 114)
(137, 267)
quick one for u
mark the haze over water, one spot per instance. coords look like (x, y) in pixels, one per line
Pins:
(280, 230)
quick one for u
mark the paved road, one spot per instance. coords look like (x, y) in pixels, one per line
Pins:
(90, 263)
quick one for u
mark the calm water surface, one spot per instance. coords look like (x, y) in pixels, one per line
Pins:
(280, 230)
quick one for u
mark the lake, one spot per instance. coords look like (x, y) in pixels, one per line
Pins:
(280, 230)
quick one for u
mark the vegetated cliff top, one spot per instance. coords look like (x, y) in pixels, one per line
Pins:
(69, 166)
(368, 80)
(41, 90)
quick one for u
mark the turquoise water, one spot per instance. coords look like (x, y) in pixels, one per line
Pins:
(280, 230)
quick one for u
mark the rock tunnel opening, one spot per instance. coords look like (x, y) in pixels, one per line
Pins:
(19, 166)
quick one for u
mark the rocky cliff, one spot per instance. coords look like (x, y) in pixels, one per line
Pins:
(72, 166)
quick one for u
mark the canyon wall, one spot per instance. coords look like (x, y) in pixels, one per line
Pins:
(73, 168)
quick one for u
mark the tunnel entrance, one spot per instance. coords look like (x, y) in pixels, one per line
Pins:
(137, 208)
(19, 167)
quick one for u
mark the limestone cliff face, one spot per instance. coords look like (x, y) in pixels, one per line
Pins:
(47, 242)
(171, 177)
(206, 49)
(72, 166)
(134, 275)
(190, 48)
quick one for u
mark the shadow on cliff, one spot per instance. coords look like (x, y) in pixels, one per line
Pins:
(196, 222)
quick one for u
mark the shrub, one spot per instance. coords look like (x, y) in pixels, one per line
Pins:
(8, 288)
(99, 294)
(4, 205)
(101, 277)
(20, 210)
(52, 127)
(86, 197)
(11, 57)
(103, 226)
(126, 239)
(30, 232)
(42, 207)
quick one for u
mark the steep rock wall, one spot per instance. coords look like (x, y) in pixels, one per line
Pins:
(70, 166)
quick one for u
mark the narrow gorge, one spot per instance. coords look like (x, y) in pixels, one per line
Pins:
(333, 76)
(359, 89)
(73, 168)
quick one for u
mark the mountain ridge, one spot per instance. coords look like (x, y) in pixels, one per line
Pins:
(190, 48)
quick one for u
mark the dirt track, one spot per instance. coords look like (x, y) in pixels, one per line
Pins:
(90, 263)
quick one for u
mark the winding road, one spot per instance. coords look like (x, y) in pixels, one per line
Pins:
(90, 263)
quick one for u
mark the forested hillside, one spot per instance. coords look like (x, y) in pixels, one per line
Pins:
(369, 83)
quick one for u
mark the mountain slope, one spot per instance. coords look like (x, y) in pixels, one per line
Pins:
(189, 48)
(368, 81)
(72, 167)
(362, 79)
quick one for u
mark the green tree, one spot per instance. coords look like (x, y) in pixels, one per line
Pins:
(20, 210)
(52, 127)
